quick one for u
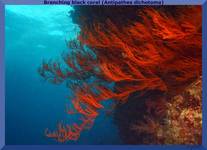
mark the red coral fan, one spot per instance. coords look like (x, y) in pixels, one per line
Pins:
(140, 49)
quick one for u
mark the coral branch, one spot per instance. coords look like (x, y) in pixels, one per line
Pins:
(139, 49)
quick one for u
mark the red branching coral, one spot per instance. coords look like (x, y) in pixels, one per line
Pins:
(67, 132)
(156, 50)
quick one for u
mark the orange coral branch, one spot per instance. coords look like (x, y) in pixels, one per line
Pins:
(158, 50)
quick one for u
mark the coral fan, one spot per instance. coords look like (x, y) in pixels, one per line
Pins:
(151, 54)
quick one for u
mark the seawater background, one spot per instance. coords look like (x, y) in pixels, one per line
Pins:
(34, 33)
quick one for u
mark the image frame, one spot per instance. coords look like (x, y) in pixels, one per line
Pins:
(3, 145)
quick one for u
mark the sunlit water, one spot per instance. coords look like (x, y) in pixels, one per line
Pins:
(34, 33)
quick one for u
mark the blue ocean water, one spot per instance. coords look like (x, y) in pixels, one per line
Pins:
(35, 33)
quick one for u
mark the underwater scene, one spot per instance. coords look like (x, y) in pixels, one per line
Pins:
(103, 75)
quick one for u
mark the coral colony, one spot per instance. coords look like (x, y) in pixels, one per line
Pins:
(152, 55)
